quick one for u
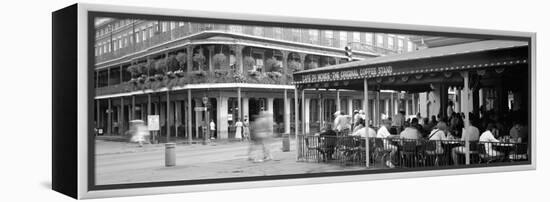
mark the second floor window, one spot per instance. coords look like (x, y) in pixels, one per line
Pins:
(391, 41)
(329, 37)
(143, 33)
(236, 28)
(258, 31)
(410, 46)
(314, 36)
(400, 44)
(296, 36)
(380, 40)
(343, 39)
(368, 38)
(278, 32)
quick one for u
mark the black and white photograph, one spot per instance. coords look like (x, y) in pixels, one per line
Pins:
(274, 101)
(198, 99)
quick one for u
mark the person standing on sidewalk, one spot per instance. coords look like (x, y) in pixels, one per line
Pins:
(246, 128)
(212, 129)
(239, 130)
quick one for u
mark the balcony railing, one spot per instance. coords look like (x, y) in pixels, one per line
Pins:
(171, 80)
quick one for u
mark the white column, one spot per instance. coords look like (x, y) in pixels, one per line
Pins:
(177, 116)
(377, 108)
(306, 115)
(286, 112)
(392, 105)
(350, 106)
(413, 103)
(270, 111)
(388, 112)
(198, 117)
(189, 117)
(466, 106)
(296, 125)
(366, 109)
(481, 99)
(222, 114)
(407, 107)
(338, 107)
(245, 108)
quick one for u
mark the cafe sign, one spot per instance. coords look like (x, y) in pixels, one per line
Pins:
(347, 74)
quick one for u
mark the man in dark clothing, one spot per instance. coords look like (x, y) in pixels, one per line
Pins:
(327, 143)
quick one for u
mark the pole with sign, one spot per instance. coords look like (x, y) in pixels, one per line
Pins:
(153, 125)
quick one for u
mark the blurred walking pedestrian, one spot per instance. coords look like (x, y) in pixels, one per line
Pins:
(260, 134)
(138, 132)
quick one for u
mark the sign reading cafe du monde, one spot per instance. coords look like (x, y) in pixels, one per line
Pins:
(347, 74)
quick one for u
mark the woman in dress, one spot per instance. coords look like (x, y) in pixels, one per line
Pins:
(239, 130)
(246, 128)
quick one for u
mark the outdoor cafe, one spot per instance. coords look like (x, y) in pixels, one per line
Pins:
(492, 78)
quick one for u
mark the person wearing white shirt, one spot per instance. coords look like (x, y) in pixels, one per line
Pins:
(469, 133)
(385, 134)
(438, 134)
(487, 137)
(363, 131)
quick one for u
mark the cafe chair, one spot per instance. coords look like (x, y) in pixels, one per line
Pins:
(409, 155)
(488, 156)
(519, 152)
(312, 148)
(431, 157)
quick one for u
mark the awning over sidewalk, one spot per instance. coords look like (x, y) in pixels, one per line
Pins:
(414, 71)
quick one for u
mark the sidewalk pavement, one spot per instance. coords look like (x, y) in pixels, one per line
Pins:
(232, 162)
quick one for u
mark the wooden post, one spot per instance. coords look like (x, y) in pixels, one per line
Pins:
(366, 109)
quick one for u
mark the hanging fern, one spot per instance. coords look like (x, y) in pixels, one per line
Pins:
(134, 70)
(172, 63)
(294, 66)
(160, 66)
(150, 67)
(312, 65)
(272, 65)
(248, 63)
(219, 61)
(182, 59)
(200, 59)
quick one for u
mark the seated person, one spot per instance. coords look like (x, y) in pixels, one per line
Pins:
(363, 131)
(328, 144)
(518, 132)
(410, 132)
(439, 133)
(385, 134)
(487, 138)
(469, 133)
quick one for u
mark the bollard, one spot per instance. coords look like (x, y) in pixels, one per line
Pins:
(286, 142)
(170, 154)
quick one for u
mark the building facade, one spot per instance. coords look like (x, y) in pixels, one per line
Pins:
(191, 74)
